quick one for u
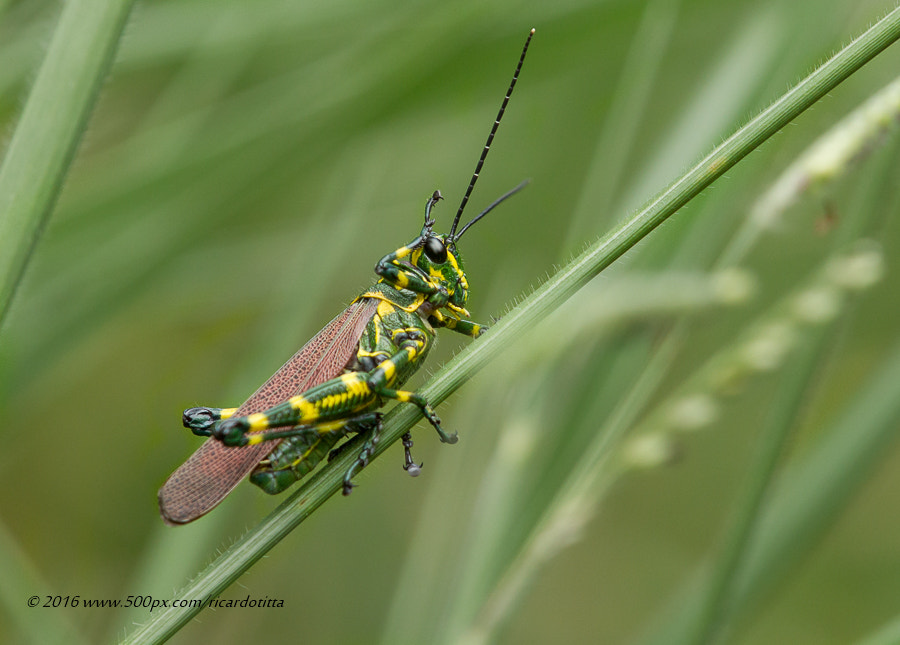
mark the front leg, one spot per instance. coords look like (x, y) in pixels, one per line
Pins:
(459, 325)
(405, 275)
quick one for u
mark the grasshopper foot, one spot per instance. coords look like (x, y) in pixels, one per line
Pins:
(364, 455)
(436, 423)
(409, 465)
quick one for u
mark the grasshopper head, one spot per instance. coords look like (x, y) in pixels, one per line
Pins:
(438, 258)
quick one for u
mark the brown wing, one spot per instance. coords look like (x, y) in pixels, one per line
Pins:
(214, 470)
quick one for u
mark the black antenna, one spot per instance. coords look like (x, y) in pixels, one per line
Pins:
(487, 146)
(487, 210)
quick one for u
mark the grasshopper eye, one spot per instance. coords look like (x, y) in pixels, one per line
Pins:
(435, 250)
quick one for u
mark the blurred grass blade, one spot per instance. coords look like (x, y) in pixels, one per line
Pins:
(573, 506)
(815, 491)
(259, 540)
(19, 580)
(808, 499)
(826, 159)
(622, 124)
(55, 116)
(889, 634)
(786, 407)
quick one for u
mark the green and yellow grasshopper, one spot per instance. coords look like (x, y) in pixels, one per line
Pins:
(336, 383)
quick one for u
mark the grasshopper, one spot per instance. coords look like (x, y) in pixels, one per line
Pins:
(336, 384)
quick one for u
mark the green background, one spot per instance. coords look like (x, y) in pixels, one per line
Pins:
(246, 166)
